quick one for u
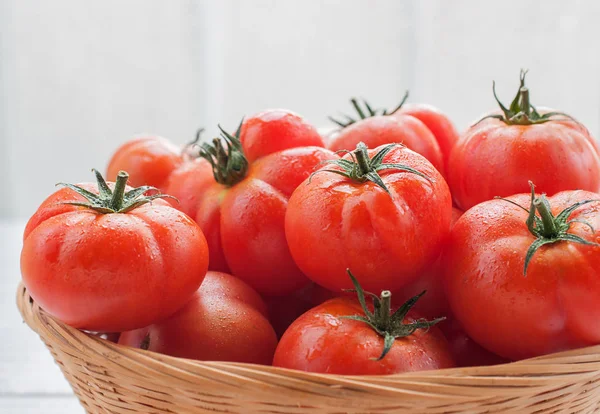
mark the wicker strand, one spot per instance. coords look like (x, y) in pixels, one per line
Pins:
(112, 379)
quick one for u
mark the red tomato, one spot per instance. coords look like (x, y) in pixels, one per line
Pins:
(224, 321)
(148, 159)
(465, 351)
(434, 304)
(113, 261)
(325, 340)
(519, 145)
(380, 130)
(275, 130)
(422, 128)
(242, 213)
(523, 284)
(437, 122)
(338, 221)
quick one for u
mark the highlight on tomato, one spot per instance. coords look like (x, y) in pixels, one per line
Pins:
(347, 337)
(225, 320)
(384, 212)
(422, 128)
(242, 211)
(521, 273)
(106, 257)
(519, 144)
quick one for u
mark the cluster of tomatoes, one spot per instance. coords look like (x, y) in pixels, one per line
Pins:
(264, 244)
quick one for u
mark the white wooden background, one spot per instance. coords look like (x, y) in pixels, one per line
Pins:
(78, 78)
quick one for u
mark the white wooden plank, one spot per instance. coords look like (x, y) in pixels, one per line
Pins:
(310, 56)
(26, 366)
(40, 405)
(463, 45)
(78, 79)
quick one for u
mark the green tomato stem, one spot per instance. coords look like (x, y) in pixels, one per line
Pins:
(525, 104)
(116, 202)
(386, 305)
(548, 229)
(362, 159)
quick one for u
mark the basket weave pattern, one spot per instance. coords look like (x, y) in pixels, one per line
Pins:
(110, 379)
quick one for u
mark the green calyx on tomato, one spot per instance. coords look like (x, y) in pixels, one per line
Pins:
(521, 111)
(366, 112)
(226, 156)
(389, 325)
(116, 200)
(547, 228)
(362, 168)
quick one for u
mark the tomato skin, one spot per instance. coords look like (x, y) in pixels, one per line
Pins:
(244, 223)
(321, 341)
(539, 153)
(553, 308)
(224, 321)
(379, 130)
(437, 122)
(274, 130)
(333, 223)
(149, 160)
(111, 272)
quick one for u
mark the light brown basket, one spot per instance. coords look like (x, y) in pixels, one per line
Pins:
(109, 378)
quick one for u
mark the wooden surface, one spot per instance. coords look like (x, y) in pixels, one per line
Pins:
(30, 381)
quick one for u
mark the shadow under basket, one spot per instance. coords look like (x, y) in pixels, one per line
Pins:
(110, 378)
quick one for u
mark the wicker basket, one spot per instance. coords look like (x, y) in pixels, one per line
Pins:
(109, 378)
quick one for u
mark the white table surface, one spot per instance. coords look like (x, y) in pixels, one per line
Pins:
(30, 381)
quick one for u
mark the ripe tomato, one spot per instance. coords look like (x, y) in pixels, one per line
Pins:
(242, 212)
(422, 128)
(437, 122)
(434, 304)
(224, 321)
(376, 130)
(343, 336)
(148, 159)
(519, 145)
(275, 130)
(523, 284)
(385, 216)
(108, 260)
(465, 351)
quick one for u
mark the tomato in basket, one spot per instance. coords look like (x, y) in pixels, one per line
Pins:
(497, 155)
(274, 130)
(384, 212)
(149, 160)
(226, 320)
(346, 336)
(242, 211)
(521, 274)
(422, 128)
(109, 258)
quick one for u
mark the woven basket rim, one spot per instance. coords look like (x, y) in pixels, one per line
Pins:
(37, 319)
